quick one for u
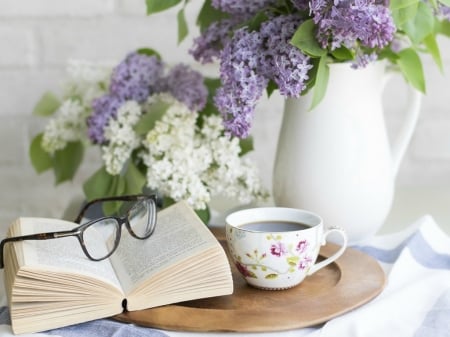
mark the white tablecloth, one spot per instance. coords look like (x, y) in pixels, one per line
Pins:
(415, 302)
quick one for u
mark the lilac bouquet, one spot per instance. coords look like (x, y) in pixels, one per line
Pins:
(288, 44)
(156, 128)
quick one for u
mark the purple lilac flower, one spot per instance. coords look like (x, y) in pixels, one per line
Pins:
(249, 61)
(347, 22)
(208, 45)
(103, 108)
(285, 64)
(135, 76)
(242, 83)
(444, 11)
(362, 60)
(187, 86)
(250, 7)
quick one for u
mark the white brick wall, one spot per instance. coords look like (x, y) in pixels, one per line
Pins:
(38, 36)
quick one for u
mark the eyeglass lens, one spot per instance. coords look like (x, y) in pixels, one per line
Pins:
(106, 231)
(140, 218)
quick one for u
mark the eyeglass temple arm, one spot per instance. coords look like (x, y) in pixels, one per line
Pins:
(39, 236)
(118, 198)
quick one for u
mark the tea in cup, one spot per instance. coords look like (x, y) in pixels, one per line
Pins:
(275, 247)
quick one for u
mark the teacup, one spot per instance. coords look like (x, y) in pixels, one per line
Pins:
(275, 248)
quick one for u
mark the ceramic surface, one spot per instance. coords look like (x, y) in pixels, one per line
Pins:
(278, 259)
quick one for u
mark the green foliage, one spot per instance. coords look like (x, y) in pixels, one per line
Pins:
(40, 159)
(304, 39)
(403, 11)
(212, 84)
(204, 215)
(47, 105)
(320, 86)
(421, 25)
(149, 52)
(66, 161)
(101, 183)
(415, 20)
(182, 25)
(246, 145)
(148, 120)
(155, 6)
(433, 48)
(208, 14)
(411, 67)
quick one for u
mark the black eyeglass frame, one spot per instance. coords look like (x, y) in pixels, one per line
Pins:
(78, 231)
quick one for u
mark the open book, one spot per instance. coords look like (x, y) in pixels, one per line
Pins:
(51, 283)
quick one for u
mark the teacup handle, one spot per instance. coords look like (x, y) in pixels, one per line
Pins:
(336, 255)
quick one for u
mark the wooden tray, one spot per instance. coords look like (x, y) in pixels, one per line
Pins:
(352, 280)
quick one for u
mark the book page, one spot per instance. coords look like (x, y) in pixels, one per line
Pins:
(178, 234)
(63, 253)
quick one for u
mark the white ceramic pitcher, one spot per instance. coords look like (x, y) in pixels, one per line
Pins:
(336, 160)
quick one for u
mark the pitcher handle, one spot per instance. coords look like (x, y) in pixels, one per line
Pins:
(400, 144)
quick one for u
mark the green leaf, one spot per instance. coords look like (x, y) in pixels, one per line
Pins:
(271, 87)
(246, 145)
(182, 25)
(167, 201)
(256, 21)
(208, 14)
(433, 48)
(155, 6)
(443, 27)
(149, 52)
(320, 86)
(411, 67)
(134, 179)
(98, 185)
(398, 4)
(211, 84)
(66, 161)
(312, 73)
(204, 214)
(445, 2)
(342, 54)
(422, 25)
(305, 39)
(148, 120)
(40, 159)
(47, 105)
(116, 188)
(403, 11)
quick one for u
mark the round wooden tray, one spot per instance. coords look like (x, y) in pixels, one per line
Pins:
(352, 280)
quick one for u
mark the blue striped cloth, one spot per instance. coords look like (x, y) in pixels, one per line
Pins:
(414, 303)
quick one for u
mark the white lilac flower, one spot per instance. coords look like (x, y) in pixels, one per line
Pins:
(121, 138)
(186, 162)
(87, 80)
(66, 126)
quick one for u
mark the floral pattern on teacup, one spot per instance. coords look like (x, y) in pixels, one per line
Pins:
(295, 254)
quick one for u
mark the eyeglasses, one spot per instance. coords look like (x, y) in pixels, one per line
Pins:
(139, 219)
